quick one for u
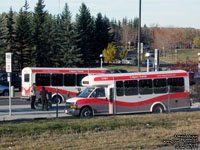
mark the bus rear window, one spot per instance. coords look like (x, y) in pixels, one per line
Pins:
(176, 84)
(26, 77)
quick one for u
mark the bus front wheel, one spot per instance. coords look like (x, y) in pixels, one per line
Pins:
(86, 112)
(158, 109)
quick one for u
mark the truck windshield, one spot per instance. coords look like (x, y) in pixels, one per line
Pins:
(85, 93)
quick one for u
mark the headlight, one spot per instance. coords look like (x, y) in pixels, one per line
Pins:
(71, 105)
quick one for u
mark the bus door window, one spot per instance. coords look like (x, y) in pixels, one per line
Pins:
(111, 96)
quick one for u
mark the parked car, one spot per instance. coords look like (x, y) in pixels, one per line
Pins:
(15, 80)
(144, 63)
(4, 90)
(129, 60)
(151, 52)
(119, 71)
(118, 61)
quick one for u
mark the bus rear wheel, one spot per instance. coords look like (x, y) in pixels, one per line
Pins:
(86, 112)
(59, 99)
(158, 109)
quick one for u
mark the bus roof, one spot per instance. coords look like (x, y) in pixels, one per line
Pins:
(66, 70)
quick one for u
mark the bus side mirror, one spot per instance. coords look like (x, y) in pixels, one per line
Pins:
(111, 95)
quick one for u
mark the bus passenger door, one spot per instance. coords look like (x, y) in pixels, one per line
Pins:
(111, 101)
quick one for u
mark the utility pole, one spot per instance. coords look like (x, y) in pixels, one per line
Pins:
(139, 33)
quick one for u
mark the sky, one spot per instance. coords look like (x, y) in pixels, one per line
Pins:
(165, 13)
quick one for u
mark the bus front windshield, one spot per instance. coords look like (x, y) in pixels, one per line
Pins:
(85, 93)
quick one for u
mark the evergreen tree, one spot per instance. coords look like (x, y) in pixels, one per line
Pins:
(102, 36)
(10, 38)
(85, 29)
(11, 32)
(72, 54)
(40, 52)
(56, 54)
(3, 33)
(116, 31)
(23, 38)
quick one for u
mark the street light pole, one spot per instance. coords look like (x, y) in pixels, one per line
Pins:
(101, 57)
(139, 32)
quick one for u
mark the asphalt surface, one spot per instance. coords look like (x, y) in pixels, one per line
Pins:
(21, 110)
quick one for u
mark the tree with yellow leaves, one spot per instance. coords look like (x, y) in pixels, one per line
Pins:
(123, 54)
(197, 41)
(109, 53)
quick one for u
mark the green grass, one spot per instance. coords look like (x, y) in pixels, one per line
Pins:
(74, 125)
(111, 132)
(181, 55)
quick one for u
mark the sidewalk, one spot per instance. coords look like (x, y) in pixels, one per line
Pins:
(24, 112)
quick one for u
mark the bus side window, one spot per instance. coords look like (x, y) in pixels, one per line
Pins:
(69, 80)
(57, 79)
(160, 86)
(145, 86)
(131, 87)
(120, 88)
(176, 84)
(26, 77)
(43, 79)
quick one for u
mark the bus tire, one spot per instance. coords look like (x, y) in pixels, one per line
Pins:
(59, 99)
(158, 109)
(86, 112)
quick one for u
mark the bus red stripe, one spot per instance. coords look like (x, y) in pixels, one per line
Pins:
(92, 101)
(68, 71)
(133, 104)
(166, 75)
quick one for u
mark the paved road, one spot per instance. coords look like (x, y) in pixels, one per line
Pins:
(16, 101)
(21, 110)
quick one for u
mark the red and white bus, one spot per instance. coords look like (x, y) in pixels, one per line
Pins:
(66, 80)
(131, 93)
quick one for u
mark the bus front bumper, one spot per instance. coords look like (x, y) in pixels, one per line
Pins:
(72, 111)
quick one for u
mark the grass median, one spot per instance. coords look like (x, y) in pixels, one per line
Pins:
(111, 132)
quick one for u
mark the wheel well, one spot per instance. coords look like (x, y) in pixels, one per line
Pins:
(157, 104)
(85, 107)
